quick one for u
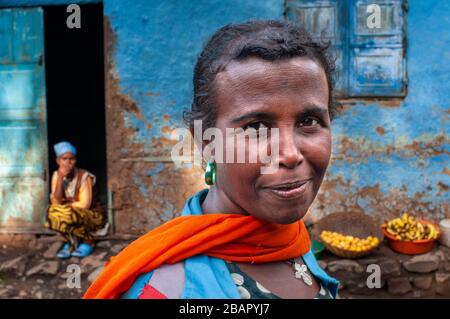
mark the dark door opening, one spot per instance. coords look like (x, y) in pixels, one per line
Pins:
(75, 88)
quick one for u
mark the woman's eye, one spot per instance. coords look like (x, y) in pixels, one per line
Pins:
(257, 126)
(309, 121)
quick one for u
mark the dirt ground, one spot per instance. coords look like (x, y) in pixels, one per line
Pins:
(29, 268)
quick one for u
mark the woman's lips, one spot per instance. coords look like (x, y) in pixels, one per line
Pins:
(289, 190)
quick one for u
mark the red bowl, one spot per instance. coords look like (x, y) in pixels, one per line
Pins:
(414, 247)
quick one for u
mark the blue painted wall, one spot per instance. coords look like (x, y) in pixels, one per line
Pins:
(409, 162)
(389, 156)
(157, 46)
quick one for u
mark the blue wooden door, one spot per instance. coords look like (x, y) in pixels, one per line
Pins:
(23, 138)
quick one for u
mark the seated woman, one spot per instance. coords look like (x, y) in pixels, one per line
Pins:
(244, 237)
(74, 212)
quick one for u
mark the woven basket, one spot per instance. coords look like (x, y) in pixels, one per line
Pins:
(354, 224)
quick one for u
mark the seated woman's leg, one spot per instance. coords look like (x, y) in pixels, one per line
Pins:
(89, 222)
(64, 219)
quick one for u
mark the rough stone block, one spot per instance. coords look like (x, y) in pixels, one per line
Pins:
(422, 264)
(399, 286)
(345, 265)
(423, 282)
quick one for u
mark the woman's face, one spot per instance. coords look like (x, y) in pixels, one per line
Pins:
(67, 161)
(291, 95)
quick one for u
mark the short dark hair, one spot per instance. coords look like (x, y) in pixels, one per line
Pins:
(267, 39)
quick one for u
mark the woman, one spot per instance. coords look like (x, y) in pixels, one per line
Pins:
(244, 236)
(74, 212)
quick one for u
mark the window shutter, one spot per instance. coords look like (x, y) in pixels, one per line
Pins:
(376, 52)
(323, 20)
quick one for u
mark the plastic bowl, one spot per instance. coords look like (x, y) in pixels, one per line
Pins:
(414, 247)
(318, 248)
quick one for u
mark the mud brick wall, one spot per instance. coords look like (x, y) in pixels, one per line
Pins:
(402, 276)
(389, 155)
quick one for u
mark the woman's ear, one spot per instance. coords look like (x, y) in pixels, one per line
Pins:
(58, 160)
(198, 140)
(200, 144)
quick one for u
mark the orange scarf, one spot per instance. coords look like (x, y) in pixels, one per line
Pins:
(230, 237)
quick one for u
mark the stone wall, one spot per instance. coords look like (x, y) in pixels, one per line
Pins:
(402, 276)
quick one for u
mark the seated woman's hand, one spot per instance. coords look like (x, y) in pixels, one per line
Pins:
(64, 171)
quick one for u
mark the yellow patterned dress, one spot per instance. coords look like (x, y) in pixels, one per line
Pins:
(80, 214)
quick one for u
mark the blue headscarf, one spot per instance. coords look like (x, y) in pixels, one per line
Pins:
(64, 147)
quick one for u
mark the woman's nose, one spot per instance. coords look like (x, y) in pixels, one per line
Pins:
(290, 154)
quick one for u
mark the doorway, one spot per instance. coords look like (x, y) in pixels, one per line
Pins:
(74, 68)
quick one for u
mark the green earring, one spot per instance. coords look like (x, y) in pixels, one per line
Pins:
(210, 173)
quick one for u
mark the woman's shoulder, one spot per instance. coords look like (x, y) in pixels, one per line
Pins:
(165, 282)
(85, 174)
(137, 287)
(329, 282)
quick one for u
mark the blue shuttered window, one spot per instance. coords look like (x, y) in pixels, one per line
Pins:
(370, 58)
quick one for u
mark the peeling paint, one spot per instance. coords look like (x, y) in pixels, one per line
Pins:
(144, 201)
(146, 194)
(443, 187)
(339, 195)
(360, 149)
(152, 94)
(380, 130)
(390, 155)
